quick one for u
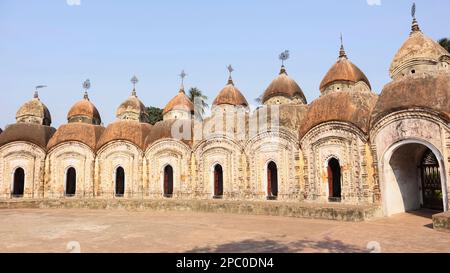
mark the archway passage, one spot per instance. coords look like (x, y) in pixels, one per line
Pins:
(334, 180)
(413, 180)
(218, 181)
(272, 181)
(431, 182)
(168, 181)
(71, 182)
(120, 182)
(18, 183)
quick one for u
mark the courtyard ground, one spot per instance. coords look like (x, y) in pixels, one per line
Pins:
(50, 230)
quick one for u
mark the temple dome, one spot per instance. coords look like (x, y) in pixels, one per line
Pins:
(132, 109)
(179, 102)
(230, 95)
(34, 111)
(87, 134)
(84, 111)
(284, 86)
(125, 130)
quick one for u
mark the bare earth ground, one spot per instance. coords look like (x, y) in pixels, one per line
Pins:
(49, 230)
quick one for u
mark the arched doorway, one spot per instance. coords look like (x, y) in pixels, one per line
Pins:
(413, 178)
(168, 181)
(218, 182)
(18, 183)
(120, 182)
(71, 182)
(431, 182)
(272, 181)
(334, 180)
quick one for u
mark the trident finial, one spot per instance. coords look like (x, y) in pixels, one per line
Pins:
(134, 80)
(230, 70)
(284, 56)
(415, 25)
(36, 94)
(342, 53)
(182, 76)
(86, 87)
(413, 10)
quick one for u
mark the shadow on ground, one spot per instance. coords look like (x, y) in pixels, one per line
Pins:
(270, 246)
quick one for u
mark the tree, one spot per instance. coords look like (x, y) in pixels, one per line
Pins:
(445, 43)
(199, 101)
(154, 114)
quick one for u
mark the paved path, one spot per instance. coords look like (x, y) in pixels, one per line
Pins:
(49, 230)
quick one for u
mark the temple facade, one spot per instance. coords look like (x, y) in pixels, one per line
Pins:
(348, 146)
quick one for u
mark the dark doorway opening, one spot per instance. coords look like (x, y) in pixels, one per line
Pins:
(272, 181)
(120, 182)
(18, 183)
(334, 180)
(218, 182)
(168, 181)
(431, 182)
(71, 182)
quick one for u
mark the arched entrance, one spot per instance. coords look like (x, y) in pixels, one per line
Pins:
(218, 182)
(71, 182)
(120, 182)
(334, 180)
(168, 181)
(413, 178)
(18, 183)
(272, 181)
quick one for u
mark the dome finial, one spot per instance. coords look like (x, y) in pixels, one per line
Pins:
(283, 57)
(182, 76)
(342, 53)
(36, 93)
(415, 25)
(134, 80)
(86, 87)
(230, 70)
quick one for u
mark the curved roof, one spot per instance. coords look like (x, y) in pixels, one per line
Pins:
(85, 133)
(346, 106)
(230, 95)
(132, 105)
(127, 130)
(84, 108)
(179, 102)
(429, 91)
(418, 47)
(28, 132)
(163, 129)
(36, 109)
(283, 85)
(343, 70)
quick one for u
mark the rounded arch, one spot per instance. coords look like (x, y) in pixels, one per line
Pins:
(70, 182)
(334, 175)
(272, 180)
(18, 182)
(390, 191)
(217, 180)
(119, 181)
(167, 185)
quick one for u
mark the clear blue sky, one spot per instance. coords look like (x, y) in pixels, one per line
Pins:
(53, 43)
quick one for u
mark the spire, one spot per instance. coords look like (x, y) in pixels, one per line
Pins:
(86, 87)
(283, 57)
(342, 53)
(36, 94)
(182, 76)
(415, 25)
(230, 70)
(134, 80)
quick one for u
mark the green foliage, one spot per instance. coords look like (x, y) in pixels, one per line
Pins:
(154, 114)
(199, 99)
(445, 43)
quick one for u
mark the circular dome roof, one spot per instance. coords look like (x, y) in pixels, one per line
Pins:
(343, 70)
(283, 85)
(132, 109)
(430, 91)
(128, 130)
(179, 102)
(418, 47)
(84, 111)
(164, 129)
(346, 106)
(81, 132)
(230, 95)
(34, 111)
(27, 132)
